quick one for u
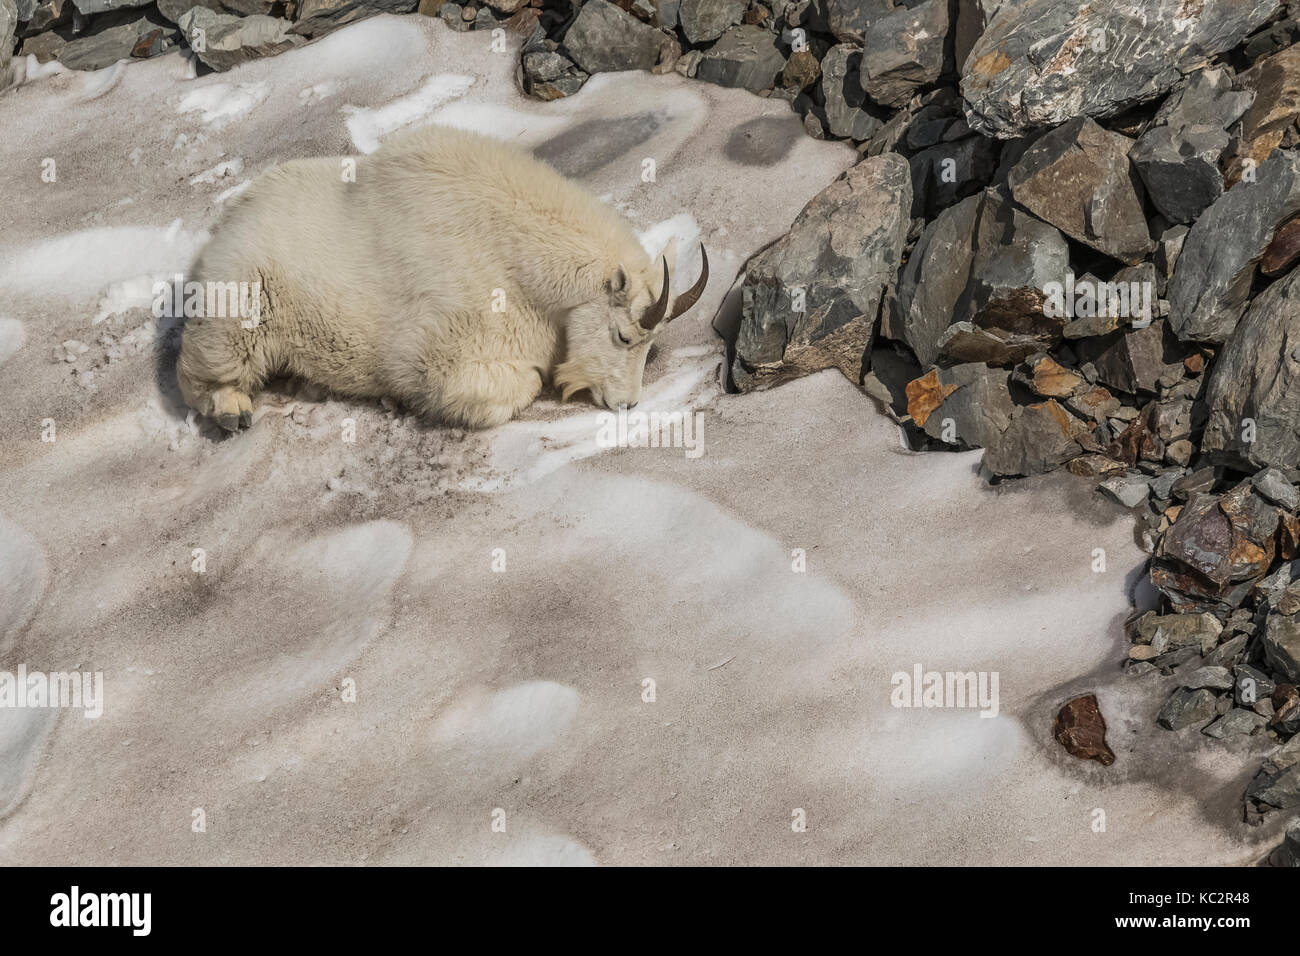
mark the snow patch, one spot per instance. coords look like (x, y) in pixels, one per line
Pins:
(219, 104)
(11, 338)
(368, 126)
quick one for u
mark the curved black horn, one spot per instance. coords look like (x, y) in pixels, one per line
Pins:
(654, 315)
(692, 295)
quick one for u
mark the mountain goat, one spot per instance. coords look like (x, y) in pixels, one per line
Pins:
(452, 272)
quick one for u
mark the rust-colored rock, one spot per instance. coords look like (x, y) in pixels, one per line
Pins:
(1282, 252)
(1081, 730)
(925, 394)
(1194, 363)
(1053, 380)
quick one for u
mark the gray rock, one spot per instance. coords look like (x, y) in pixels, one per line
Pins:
(115, 37)
(453, 14)
(1282, 645)
(222, 41)
(1130, 360)
(1078, 178)
(317, 17)
(746, 56)
(1251, 685)
(1180, 168)
(1277, 784)
(1039, 438)
(1129, 490)
(904, 51)
(949, 171)
(667, 13)
(38, 15)
(1211, 677)
(1212, 282)
(837, 260)
(1253, 401)
(1042, 62)
(549, 75)
(1235, 723)
(1277, 488)
(1186, 707)
(173, 10)
(88, 7)
(846, 20)
(1206, 97)
(1288, 854)
(8, 27)
(604, 38)
(705, 20)
(975, 410)
(845, 97)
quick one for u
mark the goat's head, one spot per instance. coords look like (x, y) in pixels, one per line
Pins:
(608, 338)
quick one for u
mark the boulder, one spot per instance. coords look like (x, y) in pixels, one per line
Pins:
(117, 36)
(1078, 178)
(966, 405)
(1180, 168)
(605, 38)
(1253, 395)
(703, 21)
(984, 263)
(1282, 646)
(809, 300)
(846, 20)
(746, 56)
(1216, 267)
(1186, 707)
(1042, 62)
(846, 100)
(1038, 439)
(1080, 728)
(904, 51)
(222, 41)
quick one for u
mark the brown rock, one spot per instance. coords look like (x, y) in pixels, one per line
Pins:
(1053, 380)
(925, 394)
(1081, 730)
(801, 71)
(1283, 250)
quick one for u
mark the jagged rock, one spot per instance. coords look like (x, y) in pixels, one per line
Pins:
(1039, 438)
(801, 71)
(966, 404)
(227, 41)
(1080, 728)
(317, 17)
(1180, 168)
(950, 171)
(1078, 178)
(982, 262)
(1042, 62)
(174, 9)
(1253, 393)
(1132, 360)
(1216, 550)
(1251, 685)
(1283, 249)
(746, 56)
(1212, 677)
(1275, 81)
(1212, 281)
(835, 262)
(549, 75)
(1277, 785)
(115, 36)
(846, 20)
(703, 21)
(604, 38)
(1052, 380)
(1282, 645)
(38, 15)
(1201, 631)
(1288, 854)
(88, 7)
(846, 115)
(8, 27)
(1128, 490)
(667, 13)
(1186, 707)
(903, 51)
(1206, 97)
(1235, 723)
(1277, 488)
(1094, 466)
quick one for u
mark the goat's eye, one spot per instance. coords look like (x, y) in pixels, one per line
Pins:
(622, 338)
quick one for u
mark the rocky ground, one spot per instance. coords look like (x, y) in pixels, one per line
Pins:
(1063, 235)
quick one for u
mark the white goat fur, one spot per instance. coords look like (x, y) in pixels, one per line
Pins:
(387, 285)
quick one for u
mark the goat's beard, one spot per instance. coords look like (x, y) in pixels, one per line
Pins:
(570, 380)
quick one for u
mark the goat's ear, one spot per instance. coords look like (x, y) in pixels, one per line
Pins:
(616, 284)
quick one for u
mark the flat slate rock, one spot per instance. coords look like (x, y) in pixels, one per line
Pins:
(746, 56)
(605, 38)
